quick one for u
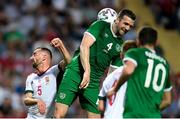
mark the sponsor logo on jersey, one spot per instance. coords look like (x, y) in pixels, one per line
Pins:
(62, 95)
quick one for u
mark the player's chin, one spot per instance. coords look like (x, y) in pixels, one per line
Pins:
(121, 32)
(34, 65)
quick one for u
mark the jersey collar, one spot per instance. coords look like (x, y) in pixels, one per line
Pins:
(153, 51)
(114, 35)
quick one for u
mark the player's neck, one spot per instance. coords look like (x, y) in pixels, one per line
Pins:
(42, 69)
(114, 29)
(150, 47)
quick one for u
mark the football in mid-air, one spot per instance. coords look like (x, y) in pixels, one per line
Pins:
(107, 14)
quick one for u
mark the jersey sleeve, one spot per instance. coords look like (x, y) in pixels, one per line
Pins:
(96, 28)
(107, 84)
(132, 56)
(168, 85)
(102, 93)
(55, 70)
(104, 90)
(29, 83)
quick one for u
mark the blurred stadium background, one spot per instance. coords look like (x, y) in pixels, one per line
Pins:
(26, 24)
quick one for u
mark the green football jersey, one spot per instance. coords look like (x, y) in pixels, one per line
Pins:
(105, 49)
(146, 85)
(117, 62)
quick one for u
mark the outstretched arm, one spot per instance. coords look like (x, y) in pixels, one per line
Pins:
(57, 42)
(86, 43)
(128, 69)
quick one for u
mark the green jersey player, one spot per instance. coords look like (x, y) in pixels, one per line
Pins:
(110, 15)
(100, 46)
(148, 79)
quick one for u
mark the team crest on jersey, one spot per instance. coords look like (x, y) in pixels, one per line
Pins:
(47, 80)
(118, 48)
(62, 95)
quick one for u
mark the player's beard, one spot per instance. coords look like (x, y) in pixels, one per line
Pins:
(121, 32)
(117, 33)
(35, 64)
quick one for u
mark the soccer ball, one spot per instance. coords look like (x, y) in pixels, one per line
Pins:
(107, 14)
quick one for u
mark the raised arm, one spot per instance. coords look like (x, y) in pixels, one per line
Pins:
(86, 43)
(57, 42)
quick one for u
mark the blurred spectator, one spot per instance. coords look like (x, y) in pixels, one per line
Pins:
(6, 107)
(173, 110)
(165, 12)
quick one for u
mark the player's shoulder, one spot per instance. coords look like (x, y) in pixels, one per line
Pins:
(134, 51)
(113, 76)
(53, 70)
(163, 60)
(31, 76)
(54, 67)
(100, 22)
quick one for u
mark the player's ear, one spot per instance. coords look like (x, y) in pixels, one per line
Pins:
(157, 42)
(44, 57)
(117, 21)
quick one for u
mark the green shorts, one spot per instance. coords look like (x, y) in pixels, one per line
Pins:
(69, 90)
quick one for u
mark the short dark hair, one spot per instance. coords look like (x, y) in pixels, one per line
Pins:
(127, 12)
(147, 35)
(46, 50)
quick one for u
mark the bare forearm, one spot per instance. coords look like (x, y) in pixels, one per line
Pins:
(66, 54)
(84, 55)
(101, 105)
(30, 101)
(56, 42)
(124, 77)
(164, 104)
(127, 71)
(167, 99)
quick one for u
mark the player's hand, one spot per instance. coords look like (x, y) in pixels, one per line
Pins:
(111, 92)
(41, 106)
(85, 82)
(56, 42)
